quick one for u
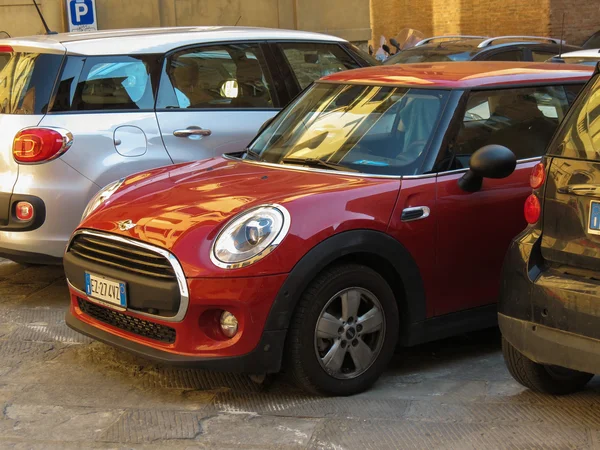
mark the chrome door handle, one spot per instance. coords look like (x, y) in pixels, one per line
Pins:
(192, 131)
(415, 213)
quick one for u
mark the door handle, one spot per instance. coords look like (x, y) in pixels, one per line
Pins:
(415, 213)
(192, 131)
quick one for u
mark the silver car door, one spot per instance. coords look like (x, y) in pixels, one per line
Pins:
(213, 99)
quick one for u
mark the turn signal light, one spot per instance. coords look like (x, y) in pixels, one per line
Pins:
(538, 176)
(37, 145)
(533, 209)
(24, 211)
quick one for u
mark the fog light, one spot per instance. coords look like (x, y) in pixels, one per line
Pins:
(24, 211)
(229, 324)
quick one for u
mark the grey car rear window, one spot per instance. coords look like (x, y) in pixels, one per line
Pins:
(26, 81)
(579, 135)
(103, 83)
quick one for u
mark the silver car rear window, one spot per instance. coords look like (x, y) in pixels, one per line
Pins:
(26, 81)
(103, 83)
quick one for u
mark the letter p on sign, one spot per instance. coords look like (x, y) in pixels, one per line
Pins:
(81, 9)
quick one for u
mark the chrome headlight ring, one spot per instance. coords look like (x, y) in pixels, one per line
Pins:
(250, 236)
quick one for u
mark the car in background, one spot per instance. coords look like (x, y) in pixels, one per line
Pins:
(588, 57)
(548, 312)
(592, 42)
(376, 209)
(481, 48)
(80, 110)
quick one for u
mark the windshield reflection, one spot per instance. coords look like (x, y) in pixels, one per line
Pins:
(369, 129)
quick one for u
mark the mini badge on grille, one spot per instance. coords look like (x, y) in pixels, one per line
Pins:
(126, 225)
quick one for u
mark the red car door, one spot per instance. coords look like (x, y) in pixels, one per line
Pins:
(474, 229)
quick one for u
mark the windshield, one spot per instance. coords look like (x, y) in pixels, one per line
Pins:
(428, 54)
(368, 129)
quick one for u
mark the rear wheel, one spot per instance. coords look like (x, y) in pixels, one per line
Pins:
(542, 377)
(343, 332)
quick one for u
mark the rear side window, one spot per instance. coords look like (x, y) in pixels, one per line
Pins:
(105, 83)
(309, 62)
(579, 136)
(522, 120)
(541, 55)
(26, 82)
(509, 55)
(222, 76)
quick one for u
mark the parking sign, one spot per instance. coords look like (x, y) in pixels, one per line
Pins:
(82, 15)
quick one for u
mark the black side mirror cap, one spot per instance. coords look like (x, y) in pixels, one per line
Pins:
(490, 161)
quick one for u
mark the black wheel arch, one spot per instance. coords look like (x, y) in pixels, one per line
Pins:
(372, 248)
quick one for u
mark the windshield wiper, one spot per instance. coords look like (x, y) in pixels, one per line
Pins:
(315, 162)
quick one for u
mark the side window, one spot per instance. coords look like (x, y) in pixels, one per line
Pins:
(541, 55)
(579, 136)
(222, 76)
(309, 62)
(509, 55)
(523, 120)
(101, 83)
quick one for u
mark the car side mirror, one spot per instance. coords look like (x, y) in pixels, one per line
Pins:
(490, 161)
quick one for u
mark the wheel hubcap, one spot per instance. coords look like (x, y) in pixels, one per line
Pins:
(349, 333)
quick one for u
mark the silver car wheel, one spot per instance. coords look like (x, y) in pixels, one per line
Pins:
(349, 333)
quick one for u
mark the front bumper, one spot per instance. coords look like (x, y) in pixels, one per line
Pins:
(265, 358)
(197, 341)
(547, 345)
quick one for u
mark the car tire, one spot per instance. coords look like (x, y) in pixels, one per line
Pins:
(541, 377)
(307, 351)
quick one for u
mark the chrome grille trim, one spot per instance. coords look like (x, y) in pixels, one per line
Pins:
(176, 267)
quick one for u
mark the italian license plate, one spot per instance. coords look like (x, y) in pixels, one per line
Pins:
(105, 289)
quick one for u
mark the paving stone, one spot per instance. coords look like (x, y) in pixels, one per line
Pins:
(299, 405)
(8, 268)
(55, 295)
(250, 431)
(505, 413)
(383, 435)
(37, 275)
(55, 422)
(136, 426)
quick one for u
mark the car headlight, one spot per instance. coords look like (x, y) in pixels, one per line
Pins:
(102, 195)
(250, 236)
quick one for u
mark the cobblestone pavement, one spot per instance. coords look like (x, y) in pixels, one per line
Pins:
(59, 390)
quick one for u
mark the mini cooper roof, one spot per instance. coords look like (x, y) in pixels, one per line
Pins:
(464, 75)
(154, 40)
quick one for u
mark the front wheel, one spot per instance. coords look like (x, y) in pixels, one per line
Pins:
(344, 331)
(542, 377)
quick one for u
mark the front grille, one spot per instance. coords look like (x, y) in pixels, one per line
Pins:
(123, 256)
(133, 325)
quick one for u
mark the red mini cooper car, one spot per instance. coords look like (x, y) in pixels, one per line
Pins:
(375, 209)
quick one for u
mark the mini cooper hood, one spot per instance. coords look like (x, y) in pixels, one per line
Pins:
(185, 206)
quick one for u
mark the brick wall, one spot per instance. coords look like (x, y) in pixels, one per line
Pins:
(490, 17)
(582, 18)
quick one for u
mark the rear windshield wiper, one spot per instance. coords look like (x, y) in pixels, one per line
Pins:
(315, 162)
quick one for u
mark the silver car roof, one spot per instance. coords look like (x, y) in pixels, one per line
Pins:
(154, 40)
(589, 53)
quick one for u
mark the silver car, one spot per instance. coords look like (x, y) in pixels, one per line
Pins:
(80, 110)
